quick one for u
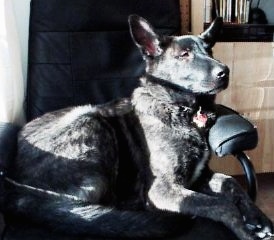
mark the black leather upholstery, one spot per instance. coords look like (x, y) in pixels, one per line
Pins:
(8, 140)
(81, 51)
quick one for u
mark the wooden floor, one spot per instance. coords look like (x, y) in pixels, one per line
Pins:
(265, 198)
(265, 195)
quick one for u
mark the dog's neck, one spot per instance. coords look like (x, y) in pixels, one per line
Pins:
(155, 97)
(168, 93)
(179, 95)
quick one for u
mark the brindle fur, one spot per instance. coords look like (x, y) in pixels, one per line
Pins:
(134, 167)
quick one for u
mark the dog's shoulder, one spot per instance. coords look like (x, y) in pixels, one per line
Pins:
(158, 102)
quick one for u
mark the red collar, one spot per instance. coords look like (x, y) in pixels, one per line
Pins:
(200, 119)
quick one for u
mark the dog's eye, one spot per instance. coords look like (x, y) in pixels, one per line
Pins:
(183, 54)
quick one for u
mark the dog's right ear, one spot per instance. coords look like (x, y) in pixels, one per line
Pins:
(144, 36)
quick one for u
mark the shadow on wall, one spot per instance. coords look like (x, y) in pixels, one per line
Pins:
(267, 6)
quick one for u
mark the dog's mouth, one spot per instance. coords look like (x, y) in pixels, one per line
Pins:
(219, 87)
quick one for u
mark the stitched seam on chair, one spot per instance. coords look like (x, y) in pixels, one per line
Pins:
(236, 136)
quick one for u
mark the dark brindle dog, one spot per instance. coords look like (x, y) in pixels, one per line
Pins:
(134, 167)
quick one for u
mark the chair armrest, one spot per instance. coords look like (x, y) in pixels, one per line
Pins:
(231, 133)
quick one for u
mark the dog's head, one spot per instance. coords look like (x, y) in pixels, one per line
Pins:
(182, 61)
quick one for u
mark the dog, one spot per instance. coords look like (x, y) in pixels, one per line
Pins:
(135, 168)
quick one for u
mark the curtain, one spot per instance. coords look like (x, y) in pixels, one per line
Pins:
(11, 76)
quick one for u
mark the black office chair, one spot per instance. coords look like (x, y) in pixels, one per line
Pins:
(80, 51)
(232, 134)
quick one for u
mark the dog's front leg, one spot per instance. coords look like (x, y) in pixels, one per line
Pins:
(168, 196)
(227, 187)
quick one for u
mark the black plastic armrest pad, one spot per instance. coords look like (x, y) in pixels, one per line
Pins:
(232, 133)
(8, 142)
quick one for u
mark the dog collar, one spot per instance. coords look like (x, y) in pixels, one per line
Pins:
(200, 118)
(165, 83)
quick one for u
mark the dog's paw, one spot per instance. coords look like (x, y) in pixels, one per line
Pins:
(261, 226)
(264, 235)
(261, 232)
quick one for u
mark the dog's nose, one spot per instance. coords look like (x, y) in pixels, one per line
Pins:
(223, 73)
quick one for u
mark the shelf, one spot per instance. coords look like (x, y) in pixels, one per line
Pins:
(245, 32)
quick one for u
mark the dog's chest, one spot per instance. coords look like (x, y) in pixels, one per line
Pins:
(178, 148)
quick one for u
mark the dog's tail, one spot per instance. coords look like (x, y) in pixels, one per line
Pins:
(82, 219)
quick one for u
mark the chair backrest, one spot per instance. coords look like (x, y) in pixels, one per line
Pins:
(80, 51)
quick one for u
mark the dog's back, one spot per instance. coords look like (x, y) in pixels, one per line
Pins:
(85, 167)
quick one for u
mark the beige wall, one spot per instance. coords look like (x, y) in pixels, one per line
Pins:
(251, 92)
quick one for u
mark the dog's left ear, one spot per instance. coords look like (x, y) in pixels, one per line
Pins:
(210, 35)
(144, 36)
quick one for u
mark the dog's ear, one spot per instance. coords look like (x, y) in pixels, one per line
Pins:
(144, 36)
(211, 33)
